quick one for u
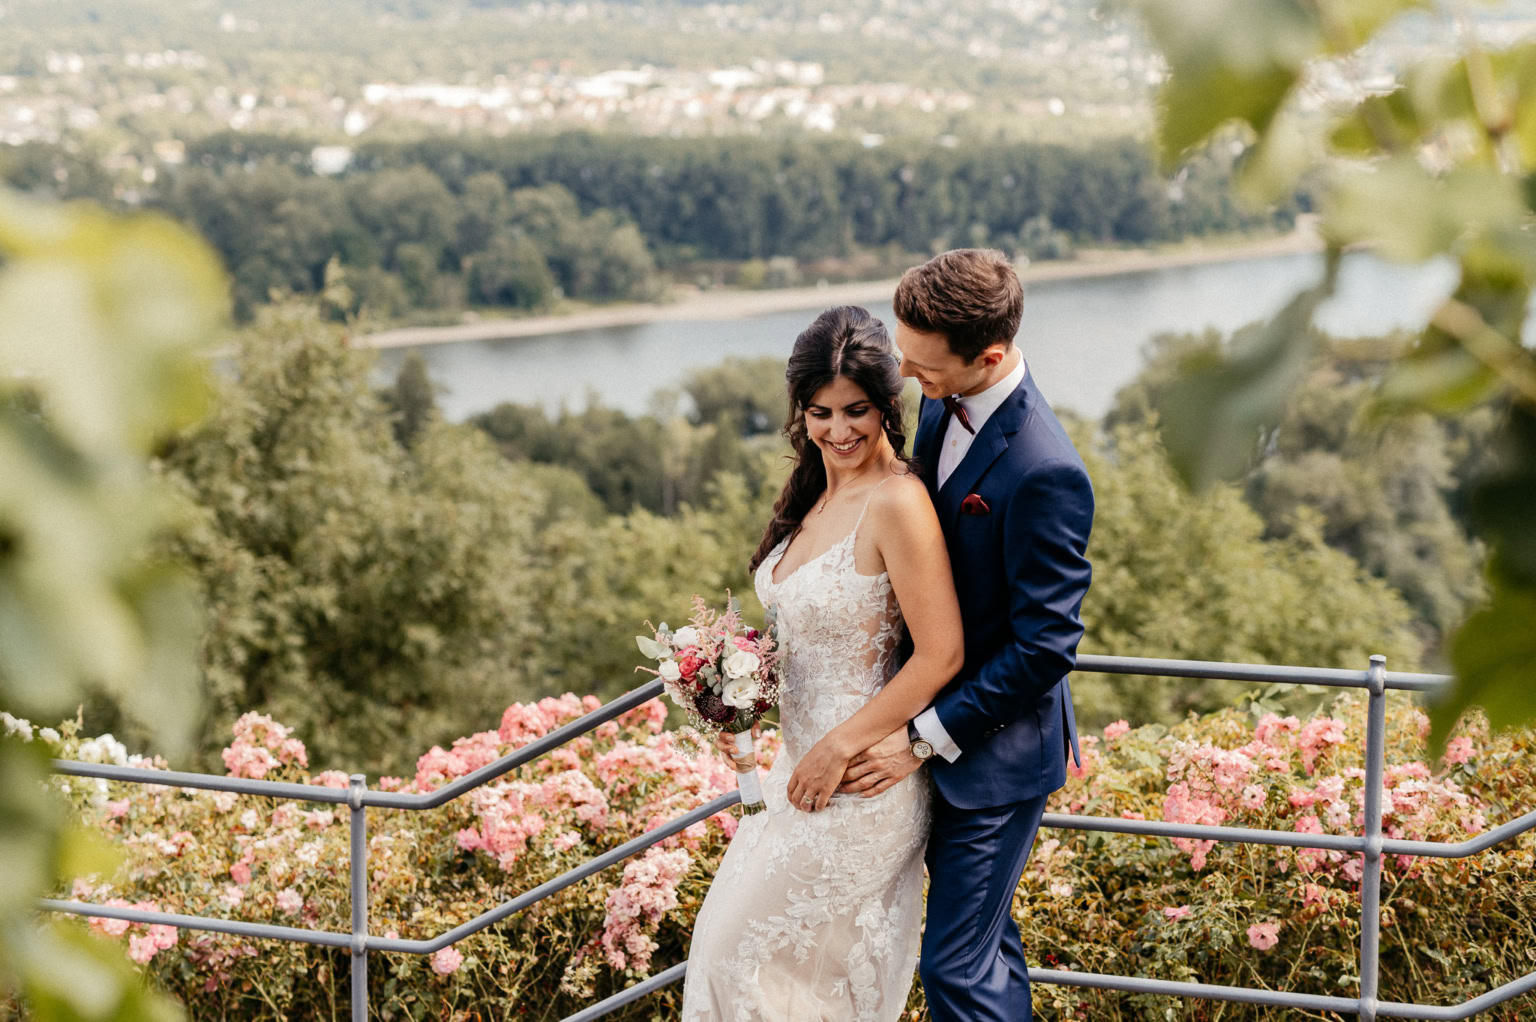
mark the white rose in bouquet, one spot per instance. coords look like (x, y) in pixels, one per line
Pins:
(741, 663)
(669, 670)
(740, 692)
(685, 637)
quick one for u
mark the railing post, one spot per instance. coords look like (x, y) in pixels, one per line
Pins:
(359, 880)
(1370, 881)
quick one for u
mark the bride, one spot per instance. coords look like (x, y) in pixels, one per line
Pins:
(815, 911)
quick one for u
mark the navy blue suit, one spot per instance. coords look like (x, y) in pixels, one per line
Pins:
(1020, 574)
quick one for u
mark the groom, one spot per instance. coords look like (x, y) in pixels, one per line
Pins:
(1016, 506)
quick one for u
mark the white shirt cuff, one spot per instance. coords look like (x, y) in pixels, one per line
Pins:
(928, 725)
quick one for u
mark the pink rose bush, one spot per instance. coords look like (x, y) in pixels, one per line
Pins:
(1285, 918)
(1242, 915)
(285, 862)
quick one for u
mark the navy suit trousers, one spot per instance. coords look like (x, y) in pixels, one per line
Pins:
(973, 967)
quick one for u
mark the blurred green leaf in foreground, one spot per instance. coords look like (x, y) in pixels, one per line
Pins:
(1439, 166)
(103, 321)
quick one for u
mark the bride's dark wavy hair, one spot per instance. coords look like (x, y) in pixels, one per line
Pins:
(843, 341)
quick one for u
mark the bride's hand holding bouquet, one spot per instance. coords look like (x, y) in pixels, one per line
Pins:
(724, 676)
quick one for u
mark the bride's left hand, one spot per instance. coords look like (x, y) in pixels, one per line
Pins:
(817, 775)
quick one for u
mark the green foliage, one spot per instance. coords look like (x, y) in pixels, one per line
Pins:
(597, 583)
(412, 401)
(658, 463)
(748, 392)
(745, 199)
(1212, 414)
(373, 591)
(438, 223)
(1184, 576)
(404, 239)
(612, 519)
(1437, 168)
(103, 327)
(1390, 491)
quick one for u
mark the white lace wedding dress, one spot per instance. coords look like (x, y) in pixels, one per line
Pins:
(814, 917)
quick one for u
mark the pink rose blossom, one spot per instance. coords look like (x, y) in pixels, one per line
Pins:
(290, 901)
(1116, 729)
(141, 948)
(240, 873)
(1264, 935)
(1315, 737)
(118, 809)
(1176, 913)
(446, 961)
(1459, 750)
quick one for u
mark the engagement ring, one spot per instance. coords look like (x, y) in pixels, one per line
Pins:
(808, 800)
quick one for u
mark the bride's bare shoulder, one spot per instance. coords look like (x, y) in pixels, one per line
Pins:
(901, 495)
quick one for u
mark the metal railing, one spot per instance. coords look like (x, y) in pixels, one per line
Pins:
(1376, 680)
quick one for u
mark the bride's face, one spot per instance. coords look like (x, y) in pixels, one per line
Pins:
(842, 421)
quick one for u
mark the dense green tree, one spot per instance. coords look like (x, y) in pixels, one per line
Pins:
(511, 270)
(401, 207)
(742, 198)
(751, 392)
(1384, 490)
(1182, 576)
(62, 171)
(621, 457)
(485, 211)
(275, 228)
(374, 592)
(412, 401)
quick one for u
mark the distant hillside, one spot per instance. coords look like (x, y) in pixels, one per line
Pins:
(1058, 70)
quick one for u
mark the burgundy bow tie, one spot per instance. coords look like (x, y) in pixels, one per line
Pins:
(955, 408)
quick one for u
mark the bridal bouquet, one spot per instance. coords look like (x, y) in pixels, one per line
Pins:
(724, 676)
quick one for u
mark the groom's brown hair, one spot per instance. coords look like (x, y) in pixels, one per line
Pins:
(970, 295)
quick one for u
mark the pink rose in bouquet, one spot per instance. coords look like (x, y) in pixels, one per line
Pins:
(724, 676)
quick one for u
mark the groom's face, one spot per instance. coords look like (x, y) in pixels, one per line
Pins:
(927, 358)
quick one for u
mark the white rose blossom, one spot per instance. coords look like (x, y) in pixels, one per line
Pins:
(740, 664)
(669, 670)
(685, 637)
(740, 692)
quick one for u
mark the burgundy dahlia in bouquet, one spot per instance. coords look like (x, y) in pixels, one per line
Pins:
(724, 676)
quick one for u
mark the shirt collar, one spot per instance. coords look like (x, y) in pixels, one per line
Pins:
(979, 407)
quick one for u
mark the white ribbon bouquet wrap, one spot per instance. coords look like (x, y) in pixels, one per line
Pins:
(724, 676)
(747, 781)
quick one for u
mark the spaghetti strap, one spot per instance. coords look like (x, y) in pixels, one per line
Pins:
(865, 508)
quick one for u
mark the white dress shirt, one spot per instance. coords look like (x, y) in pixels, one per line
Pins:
(957, 441)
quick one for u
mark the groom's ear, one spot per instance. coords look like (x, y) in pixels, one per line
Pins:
(992, 354)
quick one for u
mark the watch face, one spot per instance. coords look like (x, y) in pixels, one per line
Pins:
(921, 749)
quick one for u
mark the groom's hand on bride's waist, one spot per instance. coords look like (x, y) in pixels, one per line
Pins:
(881, 765)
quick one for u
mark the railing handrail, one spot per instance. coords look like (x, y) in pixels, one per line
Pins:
(1373, 845)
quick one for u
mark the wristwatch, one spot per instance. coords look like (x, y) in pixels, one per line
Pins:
(922, 748)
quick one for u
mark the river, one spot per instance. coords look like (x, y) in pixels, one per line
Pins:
(1083, 337)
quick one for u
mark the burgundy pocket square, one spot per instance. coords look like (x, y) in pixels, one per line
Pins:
(974, 505)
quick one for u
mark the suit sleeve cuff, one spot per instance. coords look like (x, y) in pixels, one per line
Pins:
(928, 725)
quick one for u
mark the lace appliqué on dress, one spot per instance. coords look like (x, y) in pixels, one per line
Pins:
(814, 917)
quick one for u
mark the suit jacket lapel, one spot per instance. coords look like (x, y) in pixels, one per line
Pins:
(925, 446)
(989, 443)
